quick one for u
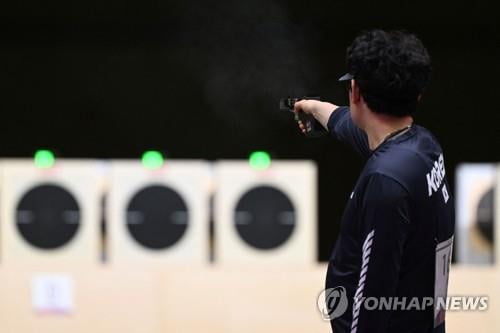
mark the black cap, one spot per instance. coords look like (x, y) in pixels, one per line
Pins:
(346, 77)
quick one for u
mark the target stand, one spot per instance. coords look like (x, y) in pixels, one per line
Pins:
(475, 213)
(50, 217)
(265, 217)
(158, 217)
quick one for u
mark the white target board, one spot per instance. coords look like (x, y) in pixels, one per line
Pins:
(51, 216)
(475, 222)
(159, 217)
(496, 207)
(265, 217)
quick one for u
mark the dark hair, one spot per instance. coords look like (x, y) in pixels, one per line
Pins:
(391, 69)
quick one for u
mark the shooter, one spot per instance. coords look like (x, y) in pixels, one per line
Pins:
(396, 233)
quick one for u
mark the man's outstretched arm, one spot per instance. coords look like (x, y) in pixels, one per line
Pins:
(337, 120)
(321, 111)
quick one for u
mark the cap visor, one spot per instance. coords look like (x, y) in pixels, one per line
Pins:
(346, 77)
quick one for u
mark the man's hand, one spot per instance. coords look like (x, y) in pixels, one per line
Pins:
(319, 110)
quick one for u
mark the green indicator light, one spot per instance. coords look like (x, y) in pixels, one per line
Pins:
(152, 159)
(260, 160)
(44, 159)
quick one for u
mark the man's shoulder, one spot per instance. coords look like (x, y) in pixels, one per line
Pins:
(408, 160)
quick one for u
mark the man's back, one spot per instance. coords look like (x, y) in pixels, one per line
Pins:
(399, 213)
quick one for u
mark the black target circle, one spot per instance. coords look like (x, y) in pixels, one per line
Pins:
(485, 215)
(265, 217)
(47, 216)
(157, 217)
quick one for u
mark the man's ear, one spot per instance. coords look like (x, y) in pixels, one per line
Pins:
(355, 94)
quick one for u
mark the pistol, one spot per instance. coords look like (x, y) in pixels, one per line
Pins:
(312, 126)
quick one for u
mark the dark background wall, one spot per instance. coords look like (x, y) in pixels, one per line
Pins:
(202, 79)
